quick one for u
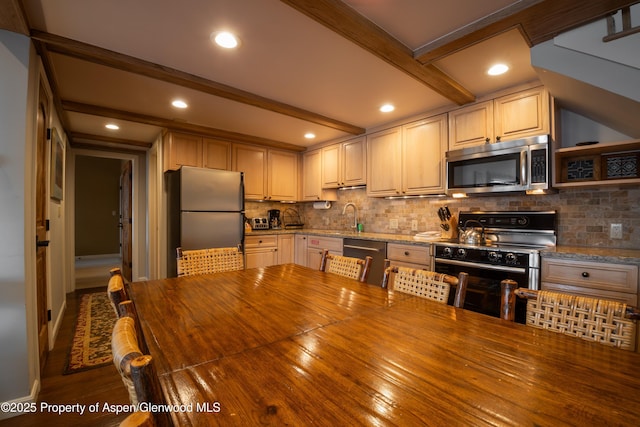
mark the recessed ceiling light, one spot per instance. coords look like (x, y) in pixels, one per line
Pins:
(112, 126)
(309, 135)
(225, 39)
(387, 108)
(178, 103)
(498, 69)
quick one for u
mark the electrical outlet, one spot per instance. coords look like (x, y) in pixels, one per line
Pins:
(414, 225)
(393, 224)
(616, 231)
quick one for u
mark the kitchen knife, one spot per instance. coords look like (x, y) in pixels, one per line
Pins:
(447, 212)
(440, 215)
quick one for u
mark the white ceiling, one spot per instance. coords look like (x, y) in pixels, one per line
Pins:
(284, 56)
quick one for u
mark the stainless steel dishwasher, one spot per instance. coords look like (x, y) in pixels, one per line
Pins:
(361, 248)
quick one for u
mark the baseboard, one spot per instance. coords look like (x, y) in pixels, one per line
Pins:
(26, 401)
(57, 324)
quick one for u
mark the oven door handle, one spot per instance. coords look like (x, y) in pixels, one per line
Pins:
(484, 266)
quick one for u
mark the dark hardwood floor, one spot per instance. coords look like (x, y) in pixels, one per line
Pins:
(100, 385)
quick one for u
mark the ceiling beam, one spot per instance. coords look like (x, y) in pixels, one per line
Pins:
(130, 64)
(96, 110)
(538, 21)
(108, 139)
(342, 19)
(13, 18)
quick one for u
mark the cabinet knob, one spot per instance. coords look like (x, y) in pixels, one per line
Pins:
(497, 139)
(406, 253)
(487, 140)
(585, 274)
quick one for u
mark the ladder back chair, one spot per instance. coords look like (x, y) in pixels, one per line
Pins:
(603, 321)
(426, 284)
(125, 348)
(211, 260)
(353, 268)
(116, 289)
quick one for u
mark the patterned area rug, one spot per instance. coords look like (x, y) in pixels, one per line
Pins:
(91, 343)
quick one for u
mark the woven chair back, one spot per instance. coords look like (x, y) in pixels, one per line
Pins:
(592, 319)
(422, 283)
(213, 260)
(345, 266)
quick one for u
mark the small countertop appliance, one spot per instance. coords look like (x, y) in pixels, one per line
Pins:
(275, 222)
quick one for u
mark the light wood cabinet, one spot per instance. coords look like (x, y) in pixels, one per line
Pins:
(617, 282)
(194, 150)
(518, 115)
(407, 160)
(301, 249)
(312, 178)
(315, 246)
(268, 174)
(253, 162)
(216, 154)
(344, 164)
(282, 176)
(286, 248)
(261, 251)
(412, 256)
(471, 125)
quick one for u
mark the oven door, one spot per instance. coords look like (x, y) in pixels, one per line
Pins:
(483, 288)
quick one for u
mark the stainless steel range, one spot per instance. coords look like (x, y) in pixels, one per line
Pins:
(510, 249)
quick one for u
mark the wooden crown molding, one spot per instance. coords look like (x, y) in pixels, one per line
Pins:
(130, 64)
(97, 110)
(342, 19)
(74, 136)
(537, 20)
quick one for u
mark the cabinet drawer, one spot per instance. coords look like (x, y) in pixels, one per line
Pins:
(408, 254)
(253, 242)
(333, 244)
(629, 299)
(594, 275)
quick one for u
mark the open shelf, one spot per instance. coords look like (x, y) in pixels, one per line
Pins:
(605, 163)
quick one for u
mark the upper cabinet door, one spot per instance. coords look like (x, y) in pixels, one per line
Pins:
(353, 164)
(216, 154)
(182, 150)
(383, 163)
(522, 114)
(331, 176)
(253, 162)
(282, 178)
(423, 151)
(471, 125)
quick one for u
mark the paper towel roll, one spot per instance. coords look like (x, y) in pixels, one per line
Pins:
(322, 205)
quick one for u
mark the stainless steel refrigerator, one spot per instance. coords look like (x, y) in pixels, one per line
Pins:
(205, 210)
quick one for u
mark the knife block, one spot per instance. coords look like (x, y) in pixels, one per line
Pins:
(452, 233)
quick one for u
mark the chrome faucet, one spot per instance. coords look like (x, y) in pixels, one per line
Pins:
(355, 214)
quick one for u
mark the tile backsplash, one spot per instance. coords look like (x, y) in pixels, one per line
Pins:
(584, 215)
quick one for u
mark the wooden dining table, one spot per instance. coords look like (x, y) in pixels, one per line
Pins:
(290, 345)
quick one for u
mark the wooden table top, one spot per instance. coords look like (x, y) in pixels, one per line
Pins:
(289, 345)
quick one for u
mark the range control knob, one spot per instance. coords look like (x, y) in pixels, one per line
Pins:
(511, 258)
(493, 256)
(447, 252)
(461, 253)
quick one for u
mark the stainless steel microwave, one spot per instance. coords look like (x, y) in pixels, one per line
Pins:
(513, 166)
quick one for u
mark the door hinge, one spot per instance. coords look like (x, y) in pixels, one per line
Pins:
(48, 134)
(130, 265)
(47, 224)
(49, 315)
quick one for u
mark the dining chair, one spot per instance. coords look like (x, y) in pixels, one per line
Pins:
(211, 260)
(593, 319)
(125, 348)
(353, 268)
(137, 371)
(116, 289)
(425, 284)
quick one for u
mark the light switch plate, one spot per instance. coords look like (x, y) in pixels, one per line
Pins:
(414, 225)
